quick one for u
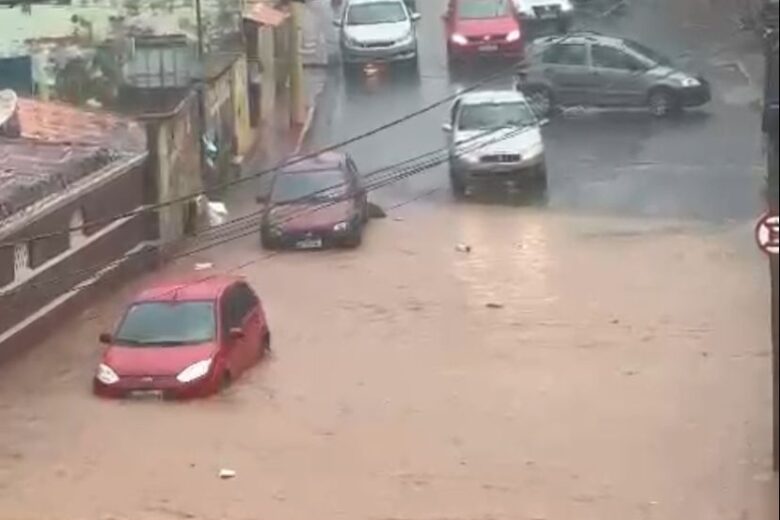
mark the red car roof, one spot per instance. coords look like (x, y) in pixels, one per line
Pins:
(194, 289)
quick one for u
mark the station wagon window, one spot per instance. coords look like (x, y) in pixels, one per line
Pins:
(648, 53)
(566, 54)
(611, 58)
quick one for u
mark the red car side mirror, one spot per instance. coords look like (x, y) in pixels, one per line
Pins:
(236, 333)
(105, 338)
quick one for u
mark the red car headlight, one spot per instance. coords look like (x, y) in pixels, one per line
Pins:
(459, 39)
(194, 371)
(106, 375)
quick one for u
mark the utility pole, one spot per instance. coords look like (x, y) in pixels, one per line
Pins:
(201, 91)
(297, 104)
(199, 22)
(769, 124)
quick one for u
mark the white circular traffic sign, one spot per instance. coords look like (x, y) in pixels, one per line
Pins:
(768, 234)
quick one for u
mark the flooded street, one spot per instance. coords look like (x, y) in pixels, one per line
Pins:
(606, 356)
(610, 380)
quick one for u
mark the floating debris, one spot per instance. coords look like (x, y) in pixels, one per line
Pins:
(226, 474)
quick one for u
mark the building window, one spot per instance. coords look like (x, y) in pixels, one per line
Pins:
(22, 266)
(77, 235)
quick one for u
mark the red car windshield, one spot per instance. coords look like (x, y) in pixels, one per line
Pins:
(167, 324)
(304, 186)
(482, 9)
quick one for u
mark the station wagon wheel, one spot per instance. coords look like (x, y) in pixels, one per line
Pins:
(662, 102)
(540, 99)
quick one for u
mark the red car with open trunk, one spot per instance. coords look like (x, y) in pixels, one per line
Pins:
(184, 339)
(483, 28)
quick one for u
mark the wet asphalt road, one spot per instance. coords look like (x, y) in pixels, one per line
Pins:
(703, 165)
(631, 387)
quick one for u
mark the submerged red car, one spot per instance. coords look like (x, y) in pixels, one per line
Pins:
(314, 203)
(483, 28)
(184, 339)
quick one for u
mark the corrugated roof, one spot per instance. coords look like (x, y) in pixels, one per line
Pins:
(59, 145)
(264, 14)
(54, 122)
(31, 171)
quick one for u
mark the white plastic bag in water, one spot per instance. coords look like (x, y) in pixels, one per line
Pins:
(217, 213)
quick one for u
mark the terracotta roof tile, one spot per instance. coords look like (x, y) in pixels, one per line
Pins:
(265, 15)
(59, 145)
(53, 122)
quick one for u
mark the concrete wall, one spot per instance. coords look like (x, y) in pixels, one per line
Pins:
(226, 102)
(58, 263)
(240, 83)
(175, 151)
(221, 118)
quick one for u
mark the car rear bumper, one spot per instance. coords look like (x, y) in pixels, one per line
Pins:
(488, 50)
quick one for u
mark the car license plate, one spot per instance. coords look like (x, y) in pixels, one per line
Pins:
(488, 48)
(549, 15)
(311, 243)
(152, 395)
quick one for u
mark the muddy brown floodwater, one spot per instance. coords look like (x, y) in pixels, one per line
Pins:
(623, 374)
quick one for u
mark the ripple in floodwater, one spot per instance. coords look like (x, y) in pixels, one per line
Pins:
(508, 263)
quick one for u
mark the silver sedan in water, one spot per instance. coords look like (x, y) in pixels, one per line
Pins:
(495, 136)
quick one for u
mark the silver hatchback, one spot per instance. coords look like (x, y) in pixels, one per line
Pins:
(590, 69)
(494, 136)
(378, 31)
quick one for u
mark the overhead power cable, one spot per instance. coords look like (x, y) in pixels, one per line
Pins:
(408, 168)
(24, 239)
(282, 164)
